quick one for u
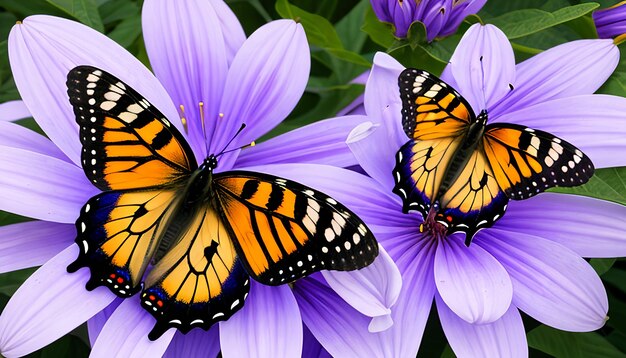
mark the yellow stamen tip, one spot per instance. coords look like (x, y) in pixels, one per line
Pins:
(252, 144)
(619, 39)
(18, 22)
(221, 115)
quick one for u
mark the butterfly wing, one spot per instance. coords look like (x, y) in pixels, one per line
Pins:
(431, 109)
(420, 169)
(526, 161)
(284, 230)
(117, 234)
(200, 280)
(127, 142)
(474, 200)
(436, 118)
(130, 149)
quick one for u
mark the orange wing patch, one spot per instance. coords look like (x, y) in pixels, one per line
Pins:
(284, 230)
(430, 109)
(199, 281)
(119, 233)
(127, 143)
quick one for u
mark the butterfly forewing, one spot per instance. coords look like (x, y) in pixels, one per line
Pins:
(127, 142)
(528, 161)
(430, 108)
(200, 280)
(286, 230)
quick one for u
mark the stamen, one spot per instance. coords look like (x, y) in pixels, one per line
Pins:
(221, 115)
(18, 22)
(619, 39)
(201, 105)
(183, 119)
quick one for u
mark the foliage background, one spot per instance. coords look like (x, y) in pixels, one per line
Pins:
(344, 35)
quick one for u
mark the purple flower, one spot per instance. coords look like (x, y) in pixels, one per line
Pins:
(531, 259)
(199, 53)
(611, 22)
(440, 17)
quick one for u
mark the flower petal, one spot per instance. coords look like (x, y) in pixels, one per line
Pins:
(41, 187)
(311, 348)
(410, 313)
(375, 147)
(231, 26)
(196, 343)
(268, 325)
(125, 334)
(382, 88)
(340, 329)
(17, 136)
(372, 290)
(503, 338)
(471, 281)
(593, 123)
(97, 322)
(551, 283)
(43, 49)
(13, 111)
(187, 52)
(483, 66)
(48, 305)
(265, 81)
(574, 68)
(32, 243)
(590, 227)
(322, 142)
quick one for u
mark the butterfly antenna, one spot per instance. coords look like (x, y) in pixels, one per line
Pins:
(224, 151)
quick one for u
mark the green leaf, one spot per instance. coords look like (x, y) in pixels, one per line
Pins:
(381, 33)
(118, 10)
(85, 11)
(349, 27)
(602, 265)
(571, 345)
(319, 31)
(127, 31)
(524, 22)
(10, 281)
(67, 346)
(608, 184)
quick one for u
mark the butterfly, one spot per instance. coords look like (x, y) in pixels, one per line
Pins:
(460, 172)
(185, 237)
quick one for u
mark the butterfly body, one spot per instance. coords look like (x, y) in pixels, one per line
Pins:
(460, 172)
(188, 238)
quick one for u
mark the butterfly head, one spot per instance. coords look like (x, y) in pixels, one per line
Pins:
(482, 117)
(210, 163)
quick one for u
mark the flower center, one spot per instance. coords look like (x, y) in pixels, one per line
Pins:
(183, 117)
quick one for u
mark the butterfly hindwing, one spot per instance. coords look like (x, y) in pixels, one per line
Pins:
(431, 109)
(200, 280)
(117, 236)
(284, 230)
(528, 161)
(420, 169)
(127, 142)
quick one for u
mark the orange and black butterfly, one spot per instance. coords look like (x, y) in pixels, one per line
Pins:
(202, 234)
(460, 172)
